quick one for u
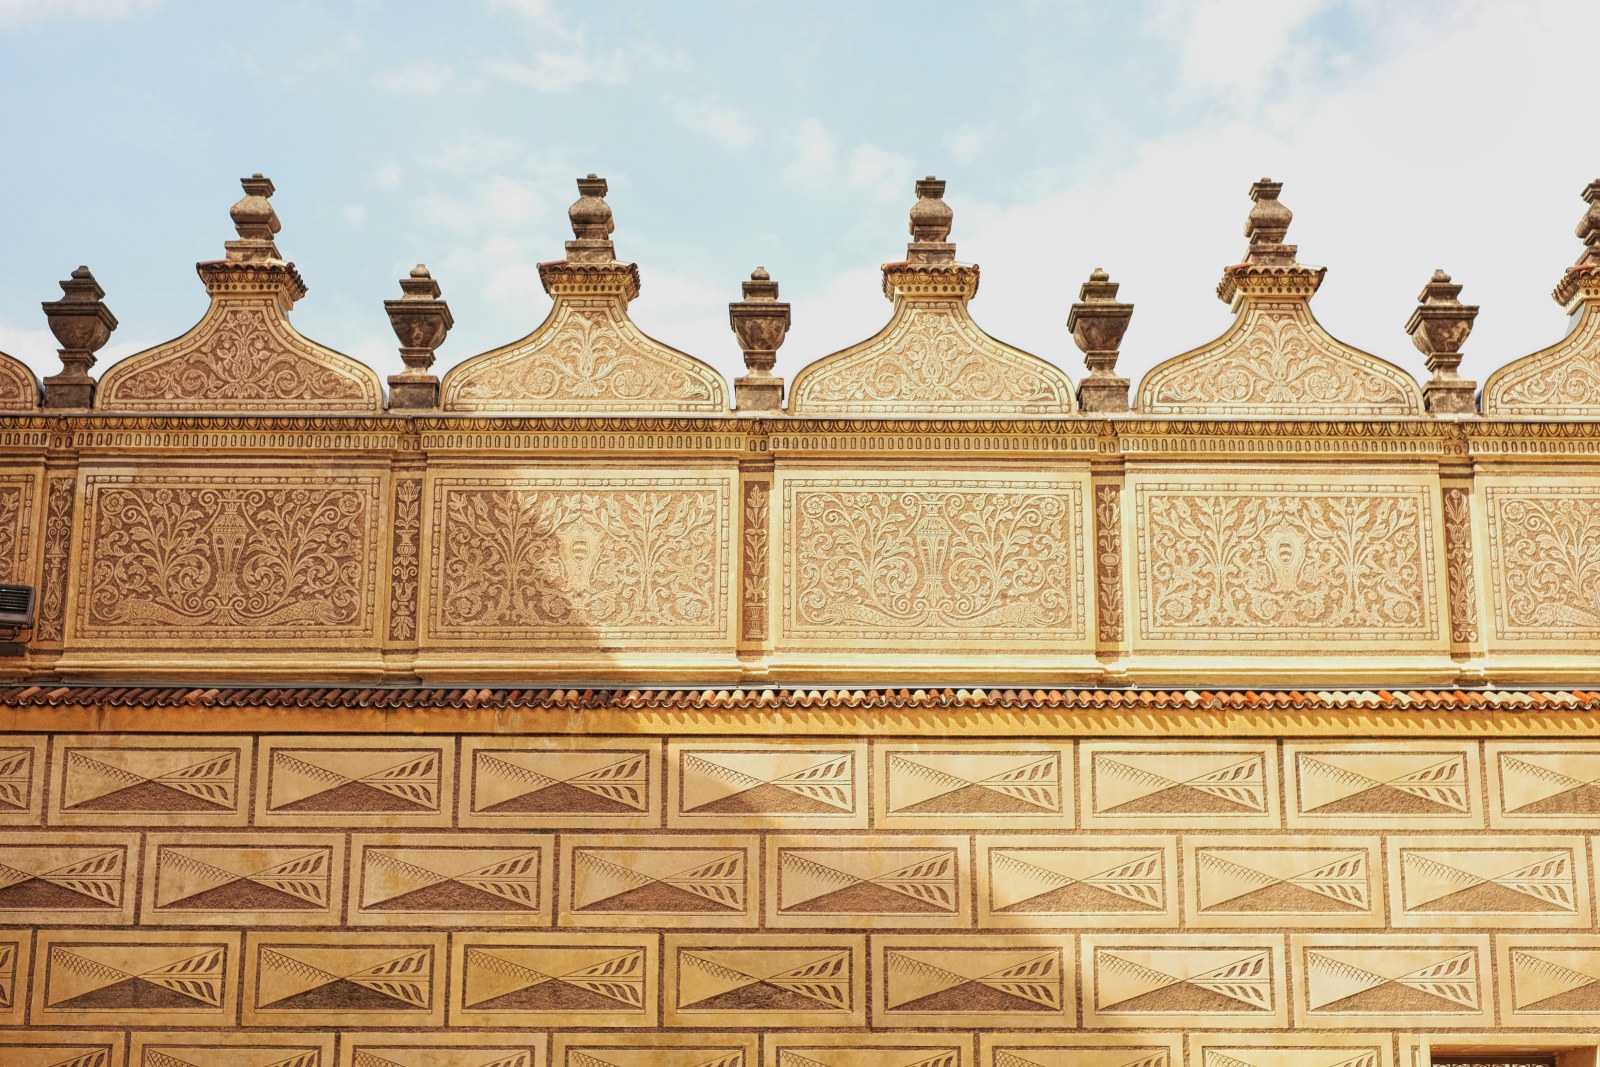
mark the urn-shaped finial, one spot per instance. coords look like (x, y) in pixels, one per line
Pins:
(1438, 327)
(420, 320)
(592, 224)
(1098, 322)
(760, 322)
(1589, 226)
(931, 218)
(1267, 225)
(256, 222)
(82, 324)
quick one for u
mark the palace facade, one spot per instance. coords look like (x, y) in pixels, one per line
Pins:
(930, 709)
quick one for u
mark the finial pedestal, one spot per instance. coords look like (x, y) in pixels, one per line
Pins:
(420, 320)
(82, 324)
(760, 322)
(1439, 327)
(1097, 323)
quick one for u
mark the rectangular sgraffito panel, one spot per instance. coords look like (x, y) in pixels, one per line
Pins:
(932, 560)
(880, 881)
(1401, 785)
(670, 1049)
(907, 1049)
(581, 560)
(1409, 981)
(1549, 980)
(1269, 563)
(1530, 881)
(766, 980)
(16, 954)
(951, 786)
(1161, 785)
(140, 780)
(1544, 560)
(453, 880)
(1543, 784)
(555, 979)
(1029, 881)
(76, 879)
(1242, 881)
(22, 767)
(560, 782)
(265, 1049)
(138, 978)
(16, 528)
(243, 880)
(213, 559)
(676, 881)
(377, 781)
(1013, 980)
(61, 1049)
(424, 1049)
(1070, 1049)
(1234, 980)
(1290, 1050)
(716, 785)
(344, 980)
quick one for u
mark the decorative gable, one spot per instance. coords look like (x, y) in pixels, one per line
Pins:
(243, 356)
(1276, 359)
(931, 359)
(587, 357)
(19, 390)
(1564, 379)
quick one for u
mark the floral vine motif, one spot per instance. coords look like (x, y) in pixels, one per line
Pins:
(1335, 566)
(1108, 557)
(757, 505)
(933, 359)
(1561, 380)
(17, 387)
(1276, 364)
(403, 583)
(590, 360)
(240, 359)
(914, 563)
(1548, 549)
(12, 538)
(1458, 563)
(57, 546)
(253, 559)
(576, 561)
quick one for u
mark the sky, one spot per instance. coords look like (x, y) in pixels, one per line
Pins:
(1409, 135)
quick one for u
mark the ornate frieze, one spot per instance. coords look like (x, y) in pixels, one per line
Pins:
(1108, 561)
(1562, 381)
(225, 559)
(60, 503)
(756, 570)
(1459, 576)
(1544, 559)
(1284, 561)
(926, 559)
(405, 558)
(580, 560)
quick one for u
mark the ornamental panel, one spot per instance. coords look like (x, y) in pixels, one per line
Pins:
(581, 560)
(913, 562)
(1273, 563)
(1544, 559)
(202, 559)
(16, 528)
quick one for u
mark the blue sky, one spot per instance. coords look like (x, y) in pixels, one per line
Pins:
(1409, 135)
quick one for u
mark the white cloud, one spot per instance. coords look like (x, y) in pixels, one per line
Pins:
(816, 155)
(565, 60)
(355, 214)
(887, 176)
(966, 143)
(14, 13)
(387, 176)
(724, 125)
(559, 72)
(1235, 46)
(425, 77)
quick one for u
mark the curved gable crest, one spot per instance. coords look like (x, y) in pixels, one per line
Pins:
(1276, 359)
(931, 359)
(19, 390)
(243, 355)
(587, 357)
(1562, 380)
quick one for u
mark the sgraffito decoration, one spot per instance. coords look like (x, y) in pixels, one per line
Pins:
(587, 358)
(1276, 359)
(1263, 562)
(178, 558)
(930, 559)
(16, 528)
(931, 358)
(638, 558)
(243, 356)
(1544, 560)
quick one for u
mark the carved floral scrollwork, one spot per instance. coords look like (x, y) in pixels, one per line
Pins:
(588, 359)
(240, 357)
(1546, 546)
(1284, 563)
(1108, 560)
(757, 509)
(406, 562)
(258, 560)
(934, 564)
(1277, 360)
(932, 358)
(580, 562)
(1563, 380)
(1458, 563)
(59, 506)
(13, 538)
(18, 390)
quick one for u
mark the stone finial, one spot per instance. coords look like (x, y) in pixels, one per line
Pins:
(1269, 266)
(1098, 322)
(1438, 327)
(82, 324)
(760, 322)
(1582, 279)
(420, 320)
(591, 224)
(930, 225)
(256, 222)
(1267, 225)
